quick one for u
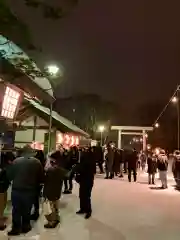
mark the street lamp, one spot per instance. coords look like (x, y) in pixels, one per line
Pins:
(156, 125)
(101, 130)
(175, 100)
(53, 70)
(148, 147)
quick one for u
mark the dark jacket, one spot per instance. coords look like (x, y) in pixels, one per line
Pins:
(62, 159)
(26, 173)
(176, 164)
(162, 162)
(132, 160)
(53, 183)
(74, 157)
(86, 168)
(40, 156)
(6, 160)
(4, 181)
(98, 154)
(152, 165)
(117, 161)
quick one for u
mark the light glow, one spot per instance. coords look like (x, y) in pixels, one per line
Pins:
(148, 147)
(59, 138)
(53, 70)
(174, 99)
(157, 151)
(77, 141)
(10, 102)
(67, 139)
(101, 128)
(37, 146)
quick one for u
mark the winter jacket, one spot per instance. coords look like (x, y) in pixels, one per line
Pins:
(132, 160)
(4, 181)
(176, 163)
(118, 158)
(26, 173)
(152, 165)
(86, 169)
(53, 183)
(162, 162)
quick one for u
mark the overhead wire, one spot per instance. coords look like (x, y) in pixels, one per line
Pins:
(166, 106)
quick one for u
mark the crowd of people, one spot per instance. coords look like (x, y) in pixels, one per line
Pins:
(120, 161)
(32, 175)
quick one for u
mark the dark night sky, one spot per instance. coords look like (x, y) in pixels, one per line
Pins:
(126, 51)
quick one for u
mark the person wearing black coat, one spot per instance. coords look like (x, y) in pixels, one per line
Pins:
(72, 159)
(176, 168)
(152, 168)
(85, 172)
(116, 164)
(132, 165)
(99, 157)
(26, 174)
(35, 215)
(6, 159)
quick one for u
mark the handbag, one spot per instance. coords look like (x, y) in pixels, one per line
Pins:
(47, 208)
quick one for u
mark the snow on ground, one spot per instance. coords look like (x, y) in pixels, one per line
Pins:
(121, 211)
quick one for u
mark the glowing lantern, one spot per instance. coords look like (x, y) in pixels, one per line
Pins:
(72, 141)
(59, 138)
(37, 146)
(67, 139)
(10, 102)
(77, 141)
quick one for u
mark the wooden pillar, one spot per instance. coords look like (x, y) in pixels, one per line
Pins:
(119, 139)
(144, 140)
(34, 128)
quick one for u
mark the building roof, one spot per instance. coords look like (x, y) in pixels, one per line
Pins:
(68, 125)
(10, 52)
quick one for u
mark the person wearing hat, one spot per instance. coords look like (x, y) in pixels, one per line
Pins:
(55, 174)
(26, 174)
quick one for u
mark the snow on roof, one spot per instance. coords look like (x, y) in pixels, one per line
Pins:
(57, 117)
(11, 51)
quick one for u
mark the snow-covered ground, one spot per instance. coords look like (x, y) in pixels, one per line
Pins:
(121, 211)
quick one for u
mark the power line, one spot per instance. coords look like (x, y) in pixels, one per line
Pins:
(166, 106)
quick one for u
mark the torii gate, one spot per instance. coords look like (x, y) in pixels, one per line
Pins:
(123, 130)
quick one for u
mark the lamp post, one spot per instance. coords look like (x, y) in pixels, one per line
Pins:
(175, 100)
(101, 129)
(53, 71)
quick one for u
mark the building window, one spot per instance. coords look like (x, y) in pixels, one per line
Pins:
(10, 102)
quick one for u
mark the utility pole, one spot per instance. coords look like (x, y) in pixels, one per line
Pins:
(178, 118)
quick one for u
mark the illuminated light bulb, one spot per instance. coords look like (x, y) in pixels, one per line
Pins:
(174, 99)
